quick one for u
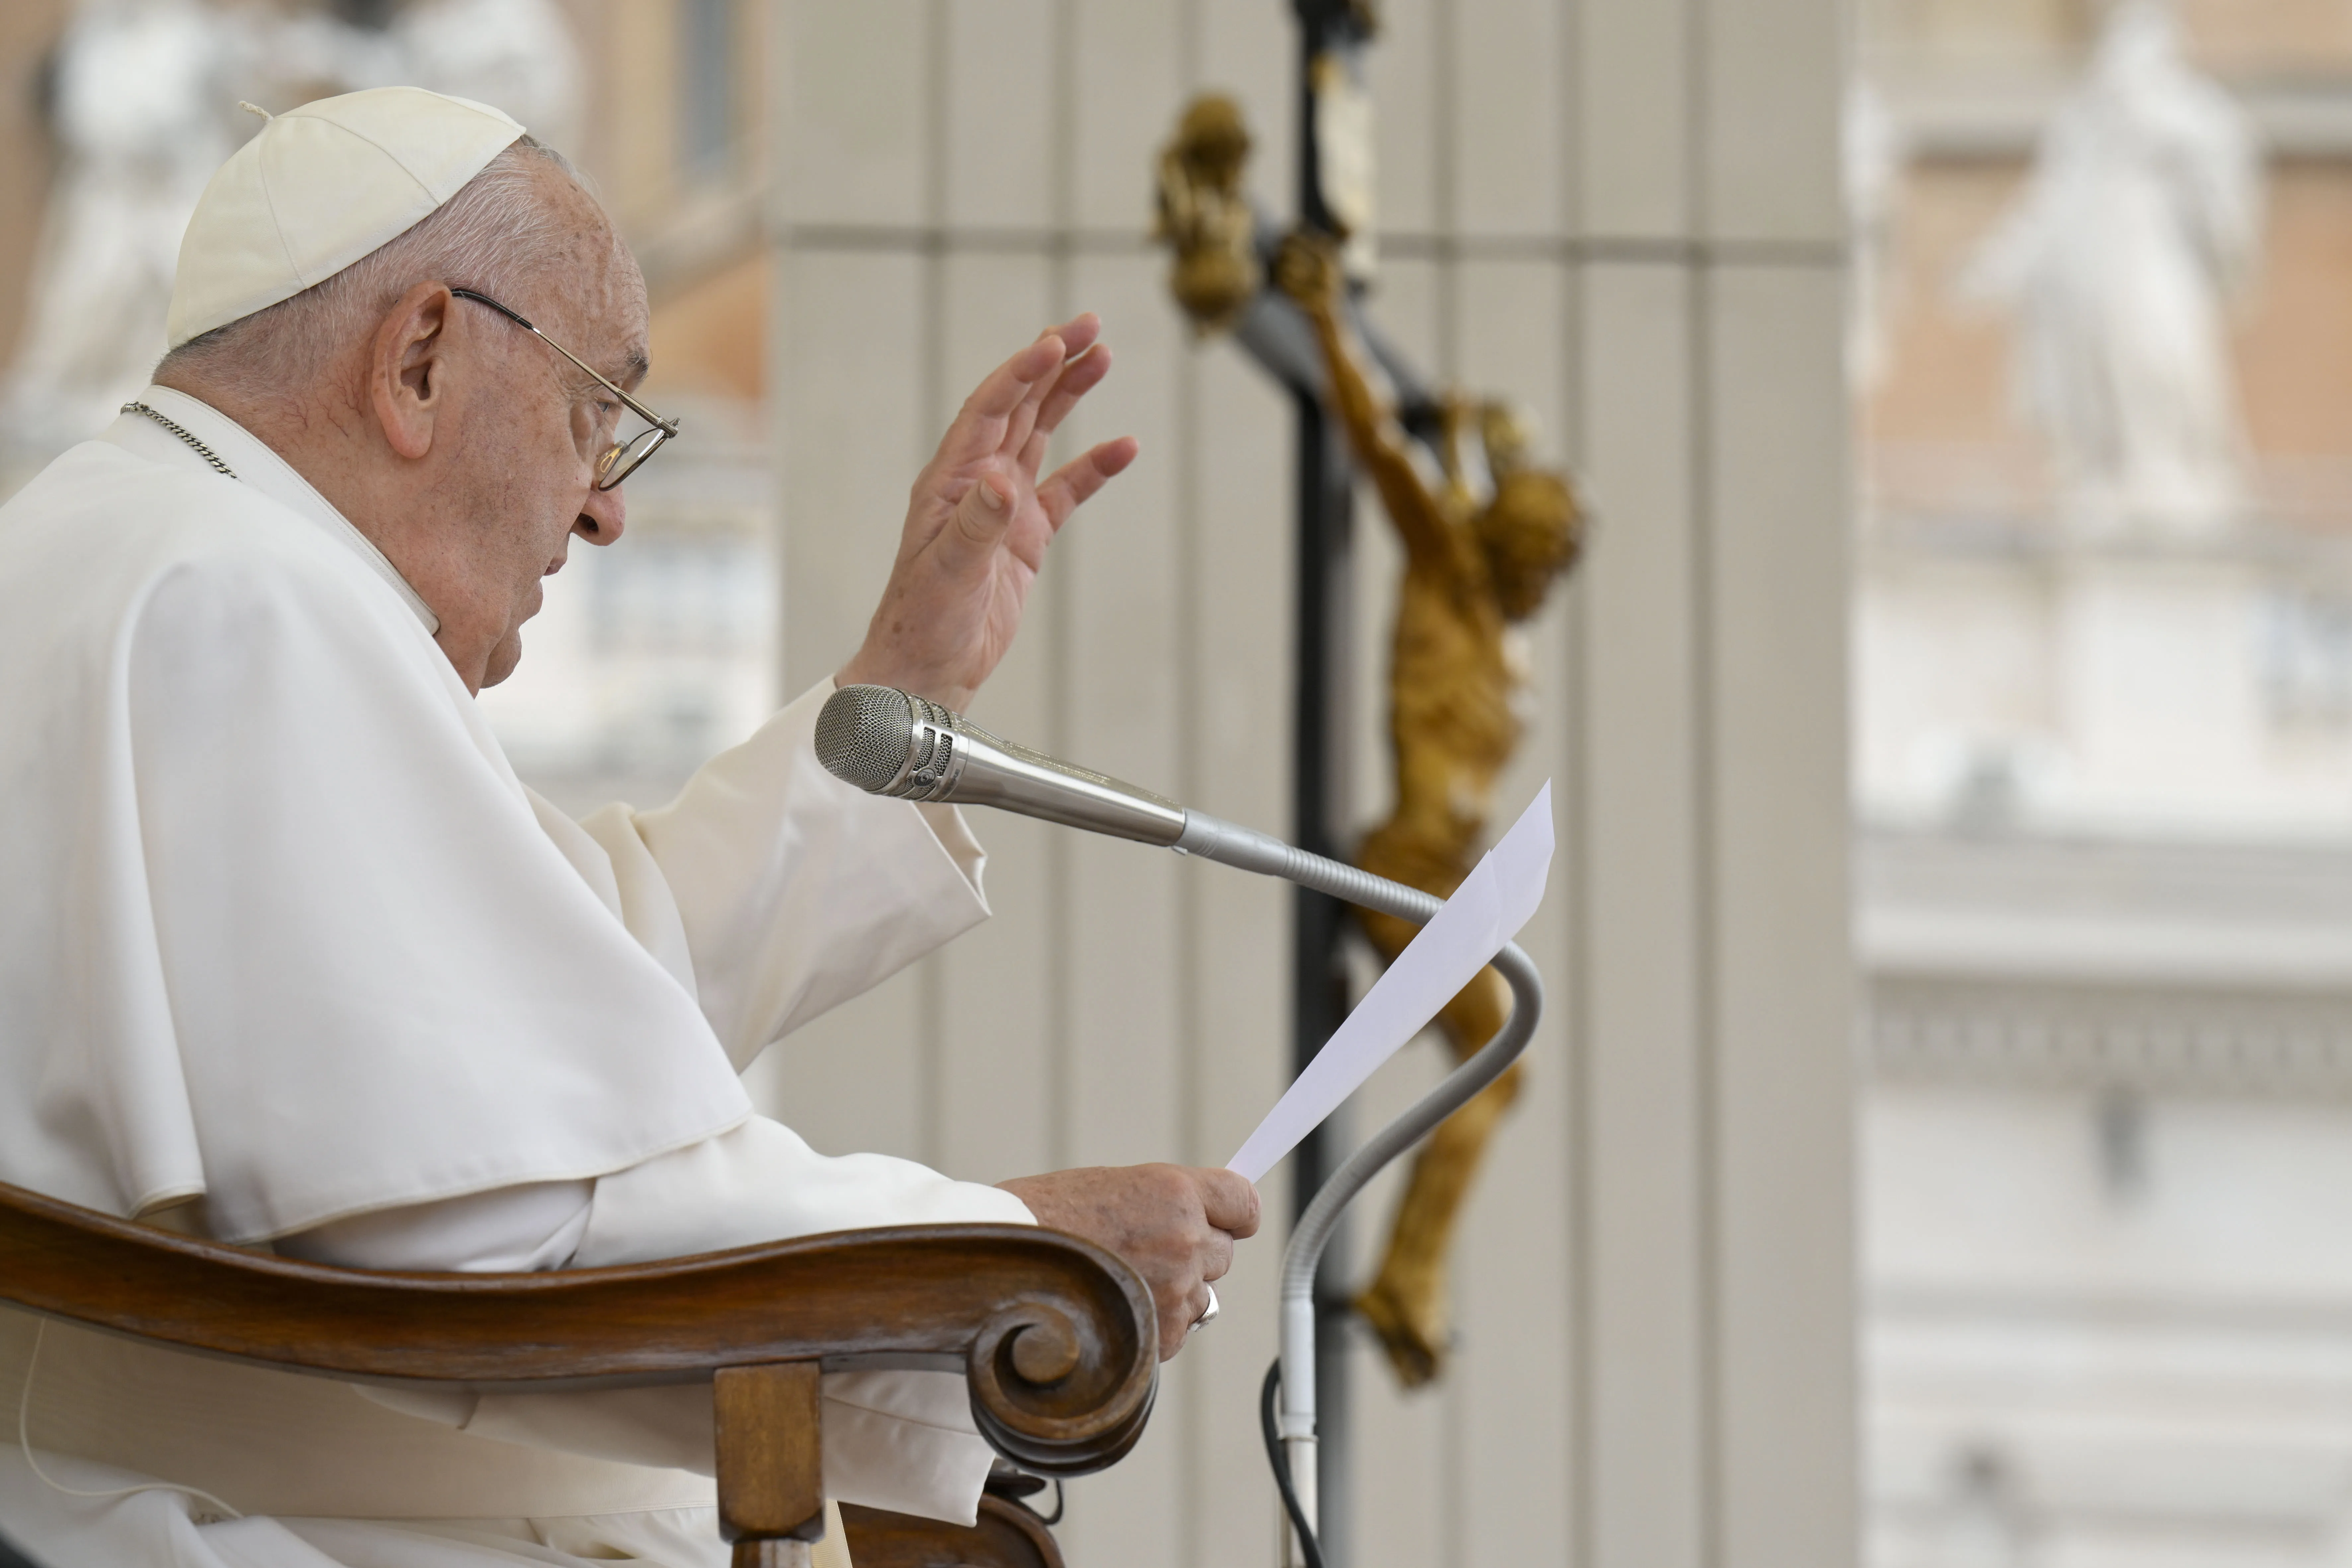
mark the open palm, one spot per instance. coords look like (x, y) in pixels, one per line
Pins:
(980, 521)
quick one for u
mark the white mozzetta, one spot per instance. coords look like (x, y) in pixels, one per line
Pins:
(254, 812)
(285, 951)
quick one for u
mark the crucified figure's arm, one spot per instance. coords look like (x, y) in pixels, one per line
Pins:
(1307, 271)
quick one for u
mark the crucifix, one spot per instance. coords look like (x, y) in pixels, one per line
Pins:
(1484, 532)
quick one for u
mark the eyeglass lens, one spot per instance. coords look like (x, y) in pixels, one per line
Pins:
(622, 461)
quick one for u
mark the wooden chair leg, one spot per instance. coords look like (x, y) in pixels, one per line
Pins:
(770, 1471)
(1007, 1536)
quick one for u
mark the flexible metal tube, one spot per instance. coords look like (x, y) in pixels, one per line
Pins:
(1214, 839)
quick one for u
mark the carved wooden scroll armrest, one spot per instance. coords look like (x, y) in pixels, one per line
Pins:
(1006, 1536)
(1055, 1337)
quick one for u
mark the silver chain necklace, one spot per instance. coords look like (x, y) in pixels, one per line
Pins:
(207, 453)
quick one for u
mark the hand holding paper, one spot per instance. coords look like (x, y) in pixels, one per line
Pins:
(1494, 902)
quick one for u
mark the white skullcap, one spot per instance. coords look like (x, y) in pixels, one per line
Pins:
(318, 187)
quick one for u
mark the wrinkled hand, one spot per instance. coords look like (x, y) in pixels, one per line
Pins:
(980, 520)
(1174, 1225)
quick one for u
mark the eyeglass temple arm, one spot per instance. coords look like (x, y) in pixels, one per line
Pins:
(520, 320)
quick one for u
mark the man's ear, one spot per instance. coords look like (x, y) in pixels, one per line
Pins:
(408, 368)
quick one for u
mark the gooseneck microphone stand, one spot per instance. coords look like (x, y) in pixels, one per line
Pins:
(1211, 838)
(896, 743)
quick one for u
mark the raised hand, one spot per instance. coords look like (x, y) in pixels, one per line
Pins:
(980, 520)
(1174, 1225)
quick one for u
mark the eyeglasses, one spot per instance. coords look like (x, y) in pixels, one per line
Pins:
(622, 458)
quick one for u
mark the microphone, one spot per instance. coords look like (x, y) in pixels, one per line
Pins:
(893, 743)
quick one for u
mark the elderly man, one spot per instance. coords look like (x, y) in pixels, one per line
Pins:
(288, 957)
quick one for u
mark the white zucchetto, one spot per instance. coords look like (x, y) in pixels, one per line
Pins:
(319, 187)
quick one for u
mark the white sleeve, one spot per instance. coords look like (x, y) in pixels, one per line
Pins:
(762, 1183)
(791, 892)
(897, 1440)
(508, 1230)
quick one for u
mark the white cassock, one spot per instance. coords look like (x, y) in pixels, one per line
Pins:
(289, 956)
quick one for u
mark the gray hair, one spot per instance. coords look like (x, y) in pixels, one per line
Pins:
(486, 236)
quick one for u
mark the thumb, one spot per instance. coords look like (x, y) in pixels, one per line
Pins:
(981, 519)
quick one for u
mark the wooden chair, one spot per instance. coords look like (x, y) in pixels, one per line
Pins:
(1007, 1536)
(1057, 1337)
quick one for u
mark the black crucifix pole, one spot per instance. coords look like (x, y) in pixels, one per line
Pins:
(1318, 955)
(1332, 35)
(1272, 330)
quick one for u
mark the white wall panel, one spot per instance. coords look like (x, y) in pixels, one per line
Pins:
(852, 389)
(1128, 88)
(1410, 300)
(1782, 1099)
(1237, 645)
(1634, 126)
(997, 79)
(1775, 82)
(855, 125)
(1511, 109)
(1641, 1134)
(1512, 342)
(1512, 1378)
(1410, 76)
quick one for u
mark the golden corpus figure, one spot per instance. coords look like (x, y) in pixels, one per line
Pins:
(1471, 571)
(1474, 566)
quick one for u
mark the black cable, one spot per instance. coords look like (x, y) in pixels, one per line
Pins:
(1276, 1456)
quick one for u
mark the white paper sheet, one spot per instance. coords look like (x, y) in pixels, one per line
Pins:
(1488, 909)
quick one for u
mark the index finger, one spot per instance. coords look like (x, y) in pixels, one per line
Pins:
(1229, 1202)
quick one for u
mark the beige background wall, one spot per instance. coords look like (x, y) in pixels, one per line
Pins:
(1623, 211)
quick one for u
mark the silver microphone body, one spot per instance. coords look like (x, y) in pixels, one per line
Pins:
(893, 743)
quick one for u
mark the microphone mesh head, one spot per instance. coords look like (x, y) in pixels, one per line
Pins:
(864, 733)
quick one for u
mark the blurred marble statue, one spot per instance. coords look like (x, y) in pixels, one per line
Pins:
(2143, 215)
(145, 109)
(1985, 1520)
(1478, 560)
(1204, 215)
(519, 55)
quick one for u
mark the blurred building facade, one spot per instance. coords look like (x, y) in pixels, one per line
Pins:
(2104, 770)
(1625, 214)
